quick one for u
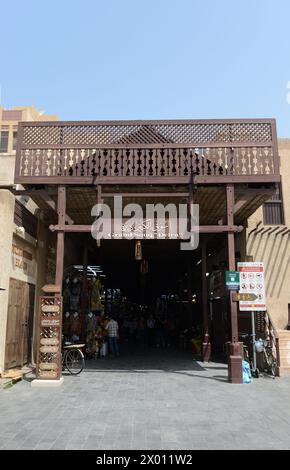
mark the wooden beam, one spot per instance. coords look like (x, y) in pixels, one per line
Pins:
(246, 197)
(151, 145)
(25, 192)
(130, 180)
(50, 202)
(200, 229)
(146, 195)
(43, 194)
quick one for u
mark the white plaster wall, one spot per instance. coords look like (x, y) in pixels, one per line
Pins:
(6, 236)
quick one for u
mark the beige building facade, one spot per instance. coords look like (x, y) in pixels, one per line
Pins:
(268, 240)
(27, 256)
(22, 249)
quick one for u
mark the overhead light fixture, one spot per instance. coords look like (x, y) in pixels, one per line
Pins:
(138, 250)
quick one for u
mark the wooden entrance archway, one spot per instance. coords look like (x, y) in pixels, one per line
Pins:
(229, 167)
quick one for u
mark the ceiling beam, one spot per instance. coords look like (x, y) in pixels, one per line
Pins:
(43, 194)
(50, 202)
(200, 229)
(246, 198)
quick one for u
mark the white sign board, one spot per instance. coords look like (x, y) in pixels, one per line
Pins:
(252, 282)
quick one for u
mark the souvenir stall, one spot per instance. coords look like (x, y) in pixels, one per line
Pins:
(72, 290)
(83, 301)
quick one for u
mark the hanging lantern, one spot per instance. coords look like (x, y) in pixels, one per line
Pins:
(138, 251)
(144, 267)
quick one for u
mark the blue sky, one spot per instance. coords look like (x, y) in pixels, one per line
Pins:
(145, 59)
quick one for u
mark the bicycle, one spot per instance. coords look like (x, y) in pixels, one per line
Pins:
(263, 346)
(246, 355)
(72, 358)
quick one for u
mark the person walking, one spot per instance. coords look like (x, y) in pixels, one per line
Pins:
(113, 336)
(150, 330)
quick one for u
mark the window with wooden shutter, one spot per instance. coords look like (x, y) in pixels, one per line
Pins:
(24, 218)
(4, 135)
(273, 211)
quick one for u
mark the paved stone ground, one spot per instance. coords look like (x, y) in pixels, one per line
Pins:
(147, 401)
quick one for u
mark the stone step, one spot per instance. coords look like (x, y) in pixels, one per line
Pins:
(12, 374)
(284, 344)
(283, 334)
(284, 337)
(284, 363)
(284, 352)
(284, 371)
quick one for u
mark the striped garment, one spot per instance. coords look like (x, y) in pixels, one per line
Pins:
(112, 328)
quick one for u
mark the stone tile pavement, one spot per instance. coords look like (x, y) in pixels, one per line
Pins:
(147, 400)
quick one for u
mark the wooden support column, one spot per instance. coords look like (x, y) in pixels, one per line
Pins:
(84, 295)
(61, 207)
(206, 346)
(189, 293)
(235, 359)
(99, 201)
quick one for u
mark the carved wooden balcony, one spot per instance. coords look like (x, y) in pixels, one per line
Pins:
(124, 152)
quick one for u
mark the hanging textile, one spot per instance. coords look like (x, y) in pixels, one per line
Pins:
(96, 300)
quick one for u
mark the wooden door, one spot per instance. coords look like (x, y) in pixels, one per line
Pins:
(13, 332)
(27, 322)
(19, 323)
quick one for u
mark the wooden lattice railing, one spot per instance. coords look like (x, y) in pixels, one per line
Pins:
(147, 149)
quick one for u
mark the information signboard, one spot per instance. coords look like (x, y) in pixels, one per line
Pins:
(252, 282)
(233, 280)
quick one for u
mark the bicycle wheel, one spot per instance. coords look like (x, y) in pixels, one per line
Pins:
(273, 367)
(74, 361)
(271, 364)
(256, 373)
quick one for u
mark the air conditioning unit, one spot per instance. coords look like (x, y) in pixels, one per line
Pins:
(20, 231)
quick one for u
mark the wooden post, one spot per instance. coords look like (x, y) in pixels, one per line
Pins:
(235, 359)
(189, 293)
(61, 208)
(206, 346)
(189, 258)
(99, 201)
(84, 294)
